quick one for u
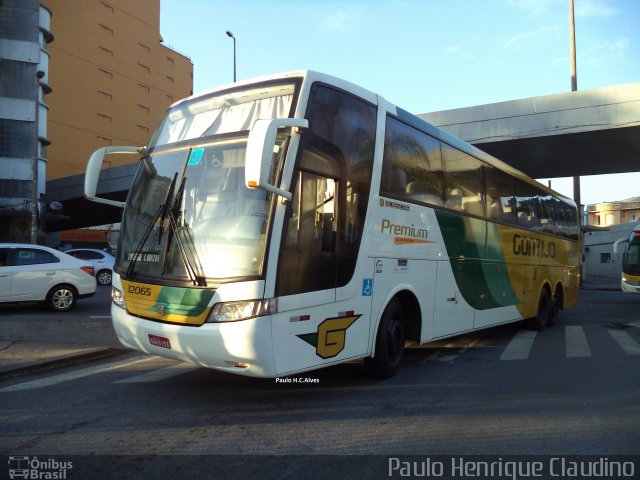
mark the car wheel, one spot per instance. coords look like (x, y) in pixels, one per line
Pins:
(104, 277)
(61, 298)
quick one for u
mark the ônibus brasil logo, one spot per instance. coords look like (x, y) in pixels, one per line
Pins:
(330, 337)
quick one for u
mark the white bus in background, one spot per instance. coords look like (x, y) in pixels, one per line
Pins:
(630, 280)
(292, 222)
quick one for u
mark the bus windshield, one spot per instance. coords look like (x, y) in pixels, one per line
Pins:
(631, 258)
(189, 215)
(224, 112)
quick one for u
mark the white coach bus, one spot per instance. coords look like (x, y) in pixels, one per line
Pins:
(292, 222)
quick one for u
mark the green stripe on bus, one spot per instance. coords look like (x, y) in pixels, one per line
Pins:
(477, 261)
(190, 302)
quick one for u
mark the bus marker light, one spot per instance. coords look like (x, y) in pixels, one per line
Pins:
(240, 365)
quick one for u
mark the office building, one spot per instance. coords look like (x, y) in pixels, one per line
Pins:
(24, 82)
(111, 77)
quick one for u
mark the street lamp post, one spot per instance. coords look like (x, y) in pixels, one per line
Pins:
(230, 35)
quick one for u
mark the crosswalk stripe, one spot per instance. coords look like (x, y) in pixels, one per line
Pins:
(66, 377)
(160, 374)
(519, 346)
(576, 342)
(628, 344)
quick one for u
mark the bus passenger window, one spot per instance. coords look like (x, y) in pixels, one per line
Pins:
(412, 164)
(463, 180)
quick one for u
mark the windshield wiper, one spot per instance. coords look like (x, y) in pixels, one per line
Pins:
(187, 256)
(161, 212)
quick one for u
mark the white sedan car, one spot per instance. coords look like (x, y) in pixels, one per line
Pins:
(31, 273)
(102, 262)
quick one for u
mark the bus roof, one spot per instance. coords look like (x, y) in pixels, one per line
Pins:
(311, 76)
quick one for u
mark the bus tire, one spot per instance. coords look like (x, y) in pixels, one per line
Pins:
(556, 306)
(545, 311)
(390, 341)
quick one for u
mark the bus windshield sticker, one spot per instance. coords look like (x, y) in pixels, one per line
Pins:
(196, 157)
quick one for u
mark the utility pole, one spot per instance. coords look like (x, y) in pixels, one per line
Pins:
(35, 214)
(574, 87)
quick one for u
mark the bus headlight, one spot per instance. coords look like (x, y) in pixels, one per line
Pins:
(118, 298)
(234, 311)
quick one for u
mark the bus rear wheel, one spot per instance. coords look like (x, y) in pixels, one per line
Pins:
(389, 342)
(545, 311)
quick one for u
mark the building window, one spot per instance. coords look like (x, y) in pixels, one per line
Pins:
(104, 117)
(170, 79)
(12, 79)
(144, 67)
(104, 140)
(106, 29)
(105, 73)
(16, 138)
(106, 51)
(144, 47)
(143, 129)
(610, 219)
(605, 257)
(143, 88)
(105, 95)
(170, 98)
(171, 60)
(143, 109)
(633, 217)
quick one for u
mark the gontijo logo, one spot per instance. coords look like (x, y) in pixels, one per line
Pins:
(330, 337)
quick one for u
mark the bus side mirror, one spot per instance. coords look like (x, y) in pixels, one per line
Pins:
(93, 172)
(616, 244)
(259, 156)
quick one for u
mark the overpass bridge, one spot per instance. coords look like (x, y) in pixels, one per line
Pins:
(588, 132)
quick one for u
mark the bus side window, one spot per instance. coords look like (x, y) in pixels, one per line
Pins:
(463, 180)
(499, 190)
(412, 164)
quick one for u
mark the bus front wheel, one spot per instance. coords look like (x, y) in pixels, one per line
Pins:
(389, 342)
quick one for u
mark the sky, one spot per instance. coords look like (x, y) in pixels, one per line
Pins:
(422, 55)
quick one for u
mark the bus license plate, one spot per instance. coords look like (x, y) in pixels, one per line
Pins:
(159, 341)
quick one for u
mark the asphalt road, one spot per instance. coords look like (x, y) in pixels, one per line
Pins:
(572, 389)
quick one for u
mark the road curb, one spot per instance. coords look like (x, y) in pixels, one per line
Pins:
(65, 361)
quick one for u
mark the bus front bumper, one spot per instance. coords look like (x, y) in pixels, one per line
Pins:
(633, 287)
(244, 347)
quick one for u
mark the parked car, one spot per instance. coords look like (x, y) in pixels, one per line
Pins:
(35, 273)
(102, 262)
